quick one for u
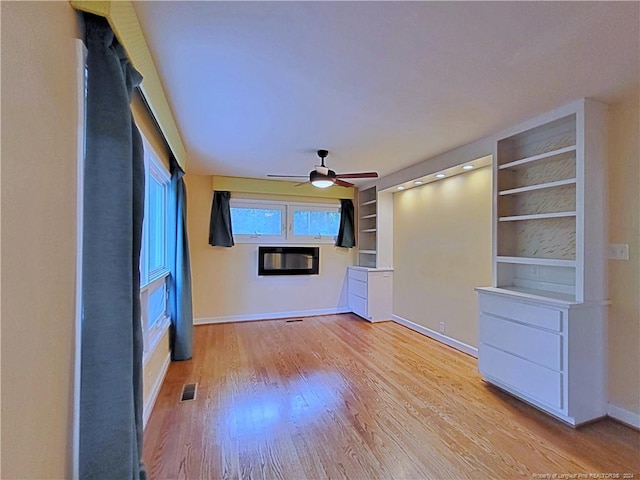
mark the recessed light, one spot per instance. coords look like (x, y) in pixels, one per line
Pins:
(418, 182)
(400, 188)
(440, 175)
(467, 167)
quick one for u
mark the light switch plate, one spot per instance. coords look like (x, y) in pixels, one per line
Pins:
(618, 251)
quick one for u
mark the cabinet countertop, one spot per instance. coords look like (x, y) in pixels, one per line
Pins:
(371, 269)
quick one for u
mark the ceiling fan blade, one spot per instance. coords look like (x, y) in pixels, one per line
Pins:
(289, 176)
(342, 183)
(302, 183)
(357, 175)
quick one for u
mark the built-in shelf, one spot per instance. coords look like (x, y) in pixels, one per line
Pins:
(537, 216)
(547, 299)
(536, 158)
(541, 186)
(367, 227)
(551, 262)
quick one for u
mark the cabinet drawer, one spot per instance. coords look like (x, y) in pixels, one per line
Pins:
(358, 288)
(532, 380)
(358, 274)
(538, 316)
(538, 346)
(358, 305)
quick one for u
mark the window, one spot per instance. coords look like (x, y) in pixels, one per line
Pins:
(258, 221)
(261, 221)
(314, 223)
(156, 200)
(154, 255)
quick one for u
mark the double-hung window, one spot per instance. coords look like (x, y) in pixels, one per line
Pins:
(154, 265)
(263, 221)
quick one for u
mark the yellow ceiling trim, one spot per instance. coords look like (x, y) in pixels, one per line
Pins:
(124, 22)
(277, 187)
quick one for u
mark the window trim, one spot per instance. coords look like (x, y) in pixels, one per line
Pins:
(287, 236)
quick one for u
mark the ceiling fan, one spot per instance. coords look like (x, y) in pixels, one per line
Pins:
(323, 177)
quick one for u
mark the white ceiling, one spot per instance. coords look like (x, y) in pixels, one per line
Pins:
(258, 87)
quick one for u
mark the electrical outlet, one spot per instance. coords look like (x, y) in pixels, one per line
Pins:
(618, 251)
(441, 327)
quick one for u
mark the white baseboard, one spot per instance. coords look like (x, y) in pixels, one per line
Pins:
(269, 316)
(151, 401)
(623, 415)
(452, 342)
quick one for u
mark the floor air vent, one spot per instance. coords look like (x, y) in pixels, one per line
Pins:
(189, 392)
(294, 320)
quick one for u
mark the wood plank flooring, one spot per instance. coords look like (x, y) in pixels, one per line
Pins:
(338, 397)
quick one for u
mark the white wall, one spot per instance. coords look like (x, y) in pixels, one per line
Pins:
(441, 251)
(39, 135)
(225, 280)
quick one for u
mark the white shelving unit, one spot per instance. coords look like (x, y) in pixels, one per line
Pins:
(367, 227)
(542, 321)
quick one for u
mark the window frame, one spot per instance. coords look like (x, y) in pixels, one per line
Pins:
(319, 239)
(158, 173)
(152, 280)
(287, 236)
(257, 237)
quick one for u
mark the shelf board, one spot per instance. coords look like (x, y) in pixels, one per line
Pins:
(373, 215)
(537, 216)
(536, 158)
(370, 202)
(368, 230)
(540, 186)
(550, 262)
(368, 252)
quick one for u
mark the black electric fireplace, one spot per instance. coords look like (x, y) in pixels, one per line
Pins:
(288, 260)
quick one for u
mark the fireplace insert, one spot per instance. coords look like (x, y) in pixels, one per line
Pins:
(288, 260)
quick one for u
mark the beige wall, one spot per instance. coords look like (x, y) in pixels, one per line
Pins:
(39, 132)
(154, 368)
(225, 281)
(441, 251)
(624, 276)
(147, 126)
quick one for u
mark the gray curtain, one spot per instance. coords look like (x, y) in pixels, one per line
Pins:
(220, 232)
(346, 233)
(180, 279)
(111, 359)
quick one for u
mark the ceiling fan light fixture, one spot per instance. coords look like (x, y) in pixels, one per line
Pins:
(321, 181)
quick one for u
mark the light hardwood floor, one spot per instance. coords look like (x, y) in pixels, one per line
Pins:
(337, 397)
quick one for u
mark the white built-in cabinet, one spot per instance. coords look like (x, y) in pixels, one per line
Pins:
(370, 284)
(370, 292)
(542, 322)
